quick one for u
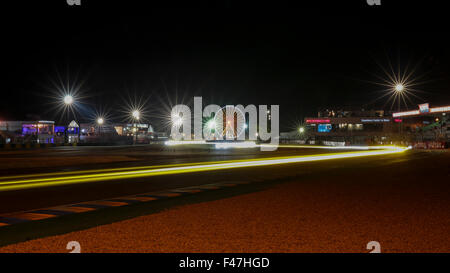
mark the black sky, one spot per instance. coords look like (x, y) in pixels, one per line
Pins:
(300, 57)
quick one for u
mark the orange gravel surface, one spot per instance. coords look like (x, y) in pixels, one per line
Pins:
(307, 216)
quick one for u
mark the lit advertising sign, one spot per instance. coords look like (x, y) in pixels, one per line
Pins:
(375, 120)
(440, 109)
(407, 113)
(324, 128)
(424, 108)
(317, 121)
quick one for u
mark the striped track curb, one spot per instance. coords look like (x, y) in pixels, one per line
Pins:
(54, 212)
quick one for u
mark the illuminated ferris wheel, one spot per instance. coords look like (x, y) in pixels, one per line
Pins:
(230, 122)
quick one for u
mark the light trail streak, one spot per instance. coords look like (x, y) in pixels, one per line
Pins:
(323, 147)
(184, 142)
(124, 173)
(245, 144)
(252, 144)
(333, 147)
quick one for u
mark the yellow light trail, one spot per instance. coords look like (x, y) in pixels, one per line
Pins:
(190, 164)
(139, 172)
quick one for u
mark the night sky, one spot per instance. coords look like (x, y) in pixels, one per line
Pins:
(301, 57)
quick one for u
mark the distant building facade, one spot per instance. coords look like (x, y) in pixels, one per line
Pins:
(425, 123)
(39, 131)
(116, 133)
(378, 126)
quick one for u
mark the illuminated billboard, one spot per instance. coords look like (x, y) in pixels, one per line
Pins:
(375, 120)
(324, 128)
(317, 121)
(423, 109)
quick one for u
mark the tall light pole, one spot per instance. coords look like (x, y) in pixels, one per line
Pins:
(68, 101)
(135, 115)
(100, 122)
(301, 133)
(399, 88)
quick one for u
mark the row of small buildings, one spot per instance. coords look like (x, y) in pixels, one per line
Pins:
(46, 132)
